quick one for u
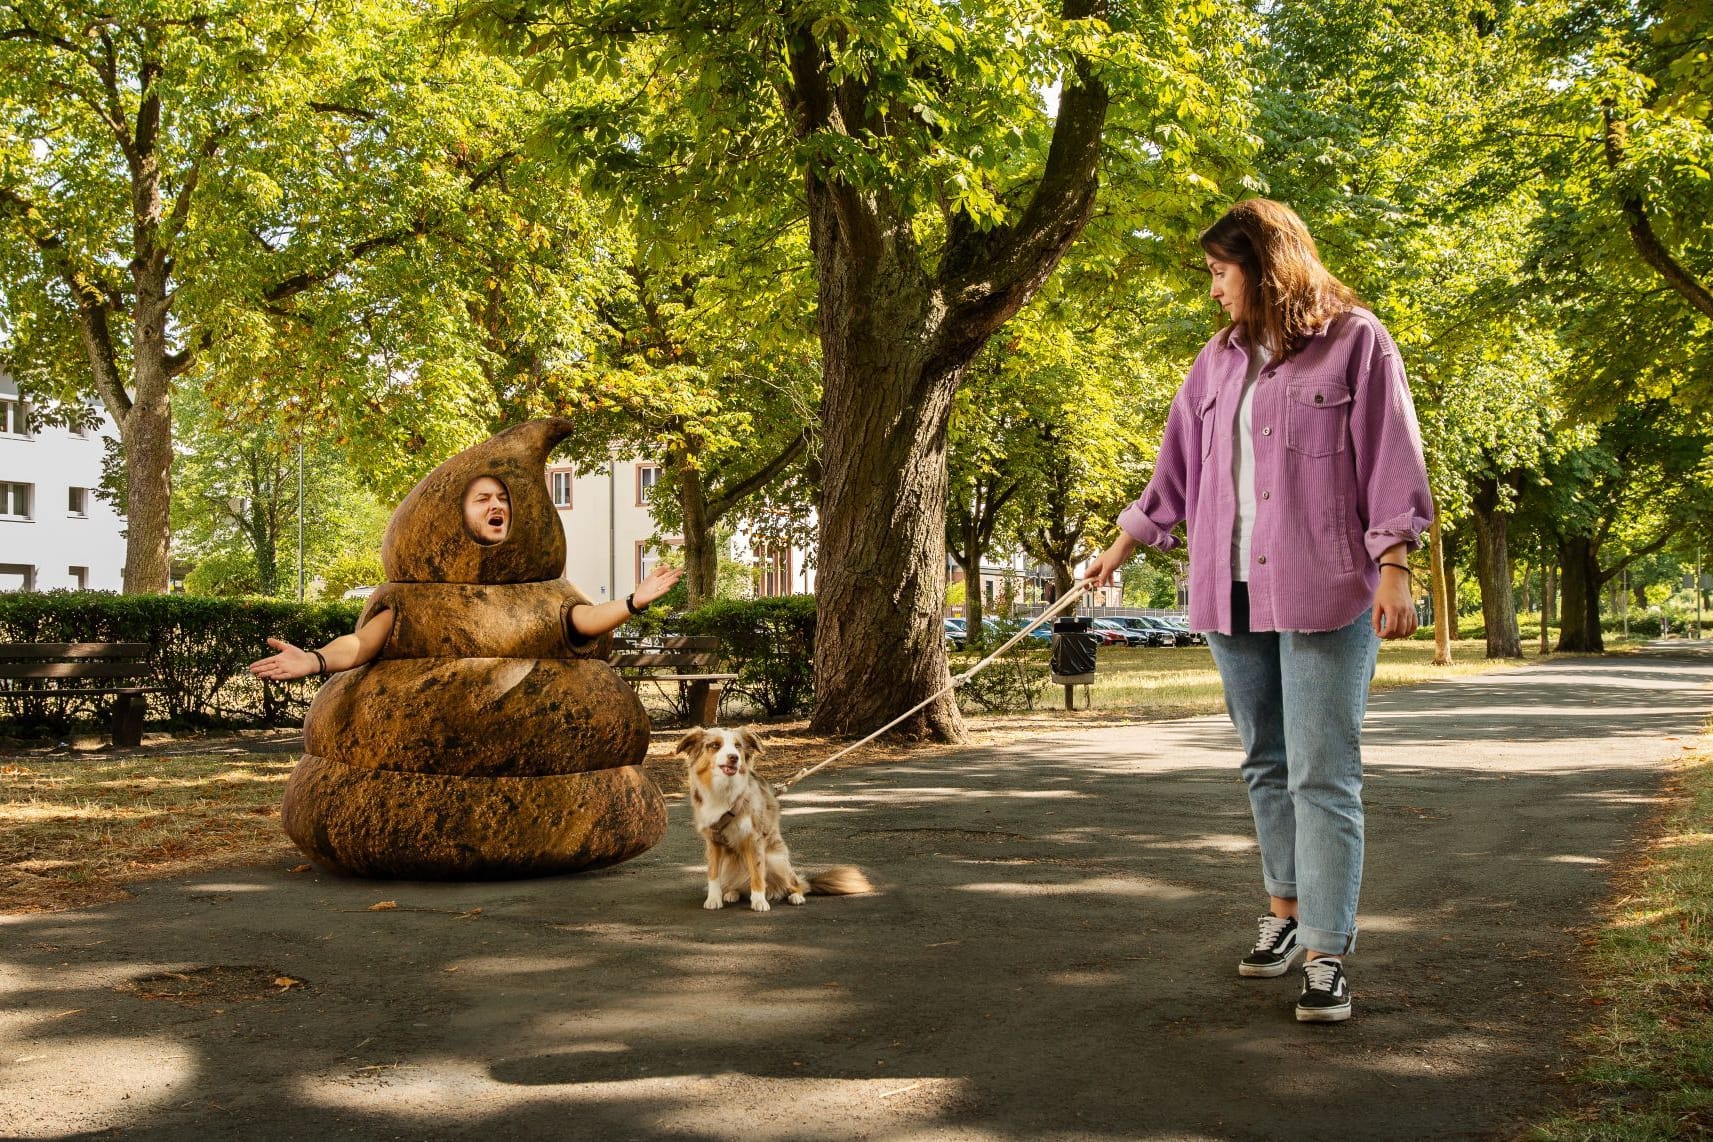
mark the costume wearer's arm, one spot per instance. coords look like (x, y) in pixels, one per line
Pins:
(595, 619)
(343, 653)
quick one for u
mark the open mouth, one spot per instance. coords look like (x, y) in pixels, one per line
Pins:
(729, 768)
(496, 520)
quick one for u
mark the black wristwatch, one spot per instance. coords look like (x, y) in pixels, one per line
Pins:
(630, 604)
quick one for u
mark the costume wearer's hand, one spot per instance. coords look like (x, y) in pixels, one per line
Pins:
(659, 581)
(289, 663)
(1100, 572)
(1394, 610)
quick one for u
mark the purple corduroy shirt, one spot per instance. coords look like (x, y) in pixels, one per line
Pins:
(1339, 477)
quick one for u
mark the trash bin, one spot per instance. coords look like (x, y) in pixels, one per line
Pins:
(1073, 651)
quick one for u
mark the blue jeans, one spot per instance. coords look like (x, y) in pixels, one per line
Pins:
(1298, 701)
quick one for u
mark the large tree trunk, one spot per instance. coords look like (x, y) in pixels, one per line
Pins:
(896, 334)
(879, 645)
(1549, 591)
(1580, 629)
(1493, 563)
(1443, 615)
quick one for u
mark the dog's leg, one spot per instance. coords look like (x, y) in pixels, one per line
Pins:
(714, 894)
(782, 872)
(755, 860)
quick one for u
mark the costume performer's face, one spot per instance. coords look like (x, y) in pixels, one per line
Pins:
(487, 509)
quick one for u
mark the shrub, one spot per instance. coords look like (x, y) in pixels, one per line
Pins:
(1015, 682)
(770, 646)
(202, 647)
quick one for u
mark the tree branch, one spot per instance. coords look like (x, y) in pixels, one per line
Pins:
(725, 499)
(1641, 228)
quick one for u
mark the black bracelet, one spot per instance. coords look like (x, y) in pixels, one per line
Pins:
(630, 604)
(1404, 567)
(321, 660)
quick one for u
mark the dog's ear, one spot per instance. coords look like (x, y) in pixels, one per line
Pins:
(750, 742)
(690, 742)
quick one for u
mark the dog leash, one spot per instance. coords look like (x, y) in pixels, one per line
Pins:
(1074, 594)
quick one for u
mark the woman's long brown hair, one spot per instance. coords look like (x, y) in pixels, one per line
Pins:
(1288, 293)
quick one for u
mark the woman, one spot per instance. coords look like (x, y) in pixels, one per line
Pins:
(1292, 454)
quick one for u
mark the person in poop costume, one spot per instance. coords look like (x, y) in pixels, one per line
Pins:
(472, 728)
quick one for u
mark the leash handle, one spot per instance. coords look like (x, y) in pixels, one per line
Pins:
(1071, 596)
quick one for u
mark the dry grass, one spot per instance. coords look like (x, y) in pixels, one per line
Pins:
(1647, 1060)
(74, 830)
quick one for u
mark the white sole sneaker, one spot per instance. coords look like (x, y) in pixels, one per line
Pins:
(1270, 971)
(1323, 1014)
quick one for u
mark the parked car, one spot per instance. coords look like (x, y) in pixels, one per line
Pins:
(1149, 634)
(1130, 635)
(956, 633)
(1171, 634)
(1182, 626)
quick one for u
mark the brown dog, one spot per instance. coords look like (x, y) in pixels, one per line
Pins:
(738, 817)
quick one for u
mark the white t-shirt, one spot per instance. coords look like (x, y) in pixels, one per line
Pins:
(1243, 469)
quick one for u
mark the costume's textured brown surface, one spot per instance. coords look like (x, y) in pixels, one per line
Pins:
(488, 739)
(429, 826)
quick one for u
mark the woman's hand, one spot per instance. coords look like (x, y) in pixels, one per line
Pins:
(1100, 572)
(659, 581)
(1394, 609)
(291, 662)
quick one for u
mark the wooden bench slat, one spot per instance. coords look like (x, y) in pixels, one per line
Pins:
(74, 669)
(650, 658)
(47, 650)
(77, 691)
(687, 678)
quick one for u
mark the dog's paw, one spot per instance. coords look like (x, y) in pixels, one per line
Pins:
(758, 903)
(712, 903)
(732, 896)
(797, 898)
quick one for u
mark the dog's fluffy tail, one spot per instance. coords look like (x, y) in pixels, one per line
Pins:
(845, 880)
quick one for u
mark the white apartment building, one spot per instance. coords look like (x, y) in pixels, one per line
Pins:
(54, 531)
(612, 541)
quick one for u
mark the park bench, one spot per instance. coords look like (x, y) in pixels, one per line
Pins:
(688, 660)
(60, 670)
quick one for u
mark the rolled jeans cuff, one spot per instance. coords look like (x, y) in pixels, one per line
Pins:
(1325, 942)
(1283, 889)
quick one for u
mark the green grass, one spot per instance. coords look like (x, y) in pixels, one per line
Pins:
(1647, 1070)
(1178, 682)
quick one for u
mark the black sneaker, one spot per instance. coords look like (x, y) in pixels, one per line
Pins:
(1326, 993)
(1275, 948)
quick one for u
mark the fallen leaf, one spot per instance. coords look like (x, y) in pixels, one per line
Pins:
(285, 981)
(384, 906)
(303, 868)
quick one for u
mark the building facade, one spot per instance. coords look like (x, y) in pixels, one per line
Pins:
(612, 541)
(55, 532)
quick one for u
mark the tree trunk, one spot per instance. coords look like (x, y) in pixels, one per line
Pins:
(975, 606)
(1493, 563)
(879, 645)
(1580, 629)
(146, 434)
(1437, 586)
(701, 544)
(1549, 590)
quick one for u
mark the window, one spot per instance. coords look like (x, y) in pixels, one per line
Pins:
(15, 500)
(77, 501)
(17, 577)
(14, 417)
(776, 572)
(648, 555)
(79, 578)
(559, 487)
(647, 475)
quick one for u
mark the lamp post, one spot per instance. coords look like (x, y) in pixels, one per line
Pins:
(300, 521)
(613, 450)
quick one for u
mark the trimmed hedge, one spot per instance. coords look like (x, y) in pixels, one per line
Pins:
(202, 647)
(769, 644)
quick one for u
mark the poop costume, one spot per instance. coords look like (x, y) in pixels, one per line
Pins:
(488, 739)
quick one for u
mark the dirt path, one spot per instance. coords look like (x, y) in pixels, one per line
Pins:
(1051, 954)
